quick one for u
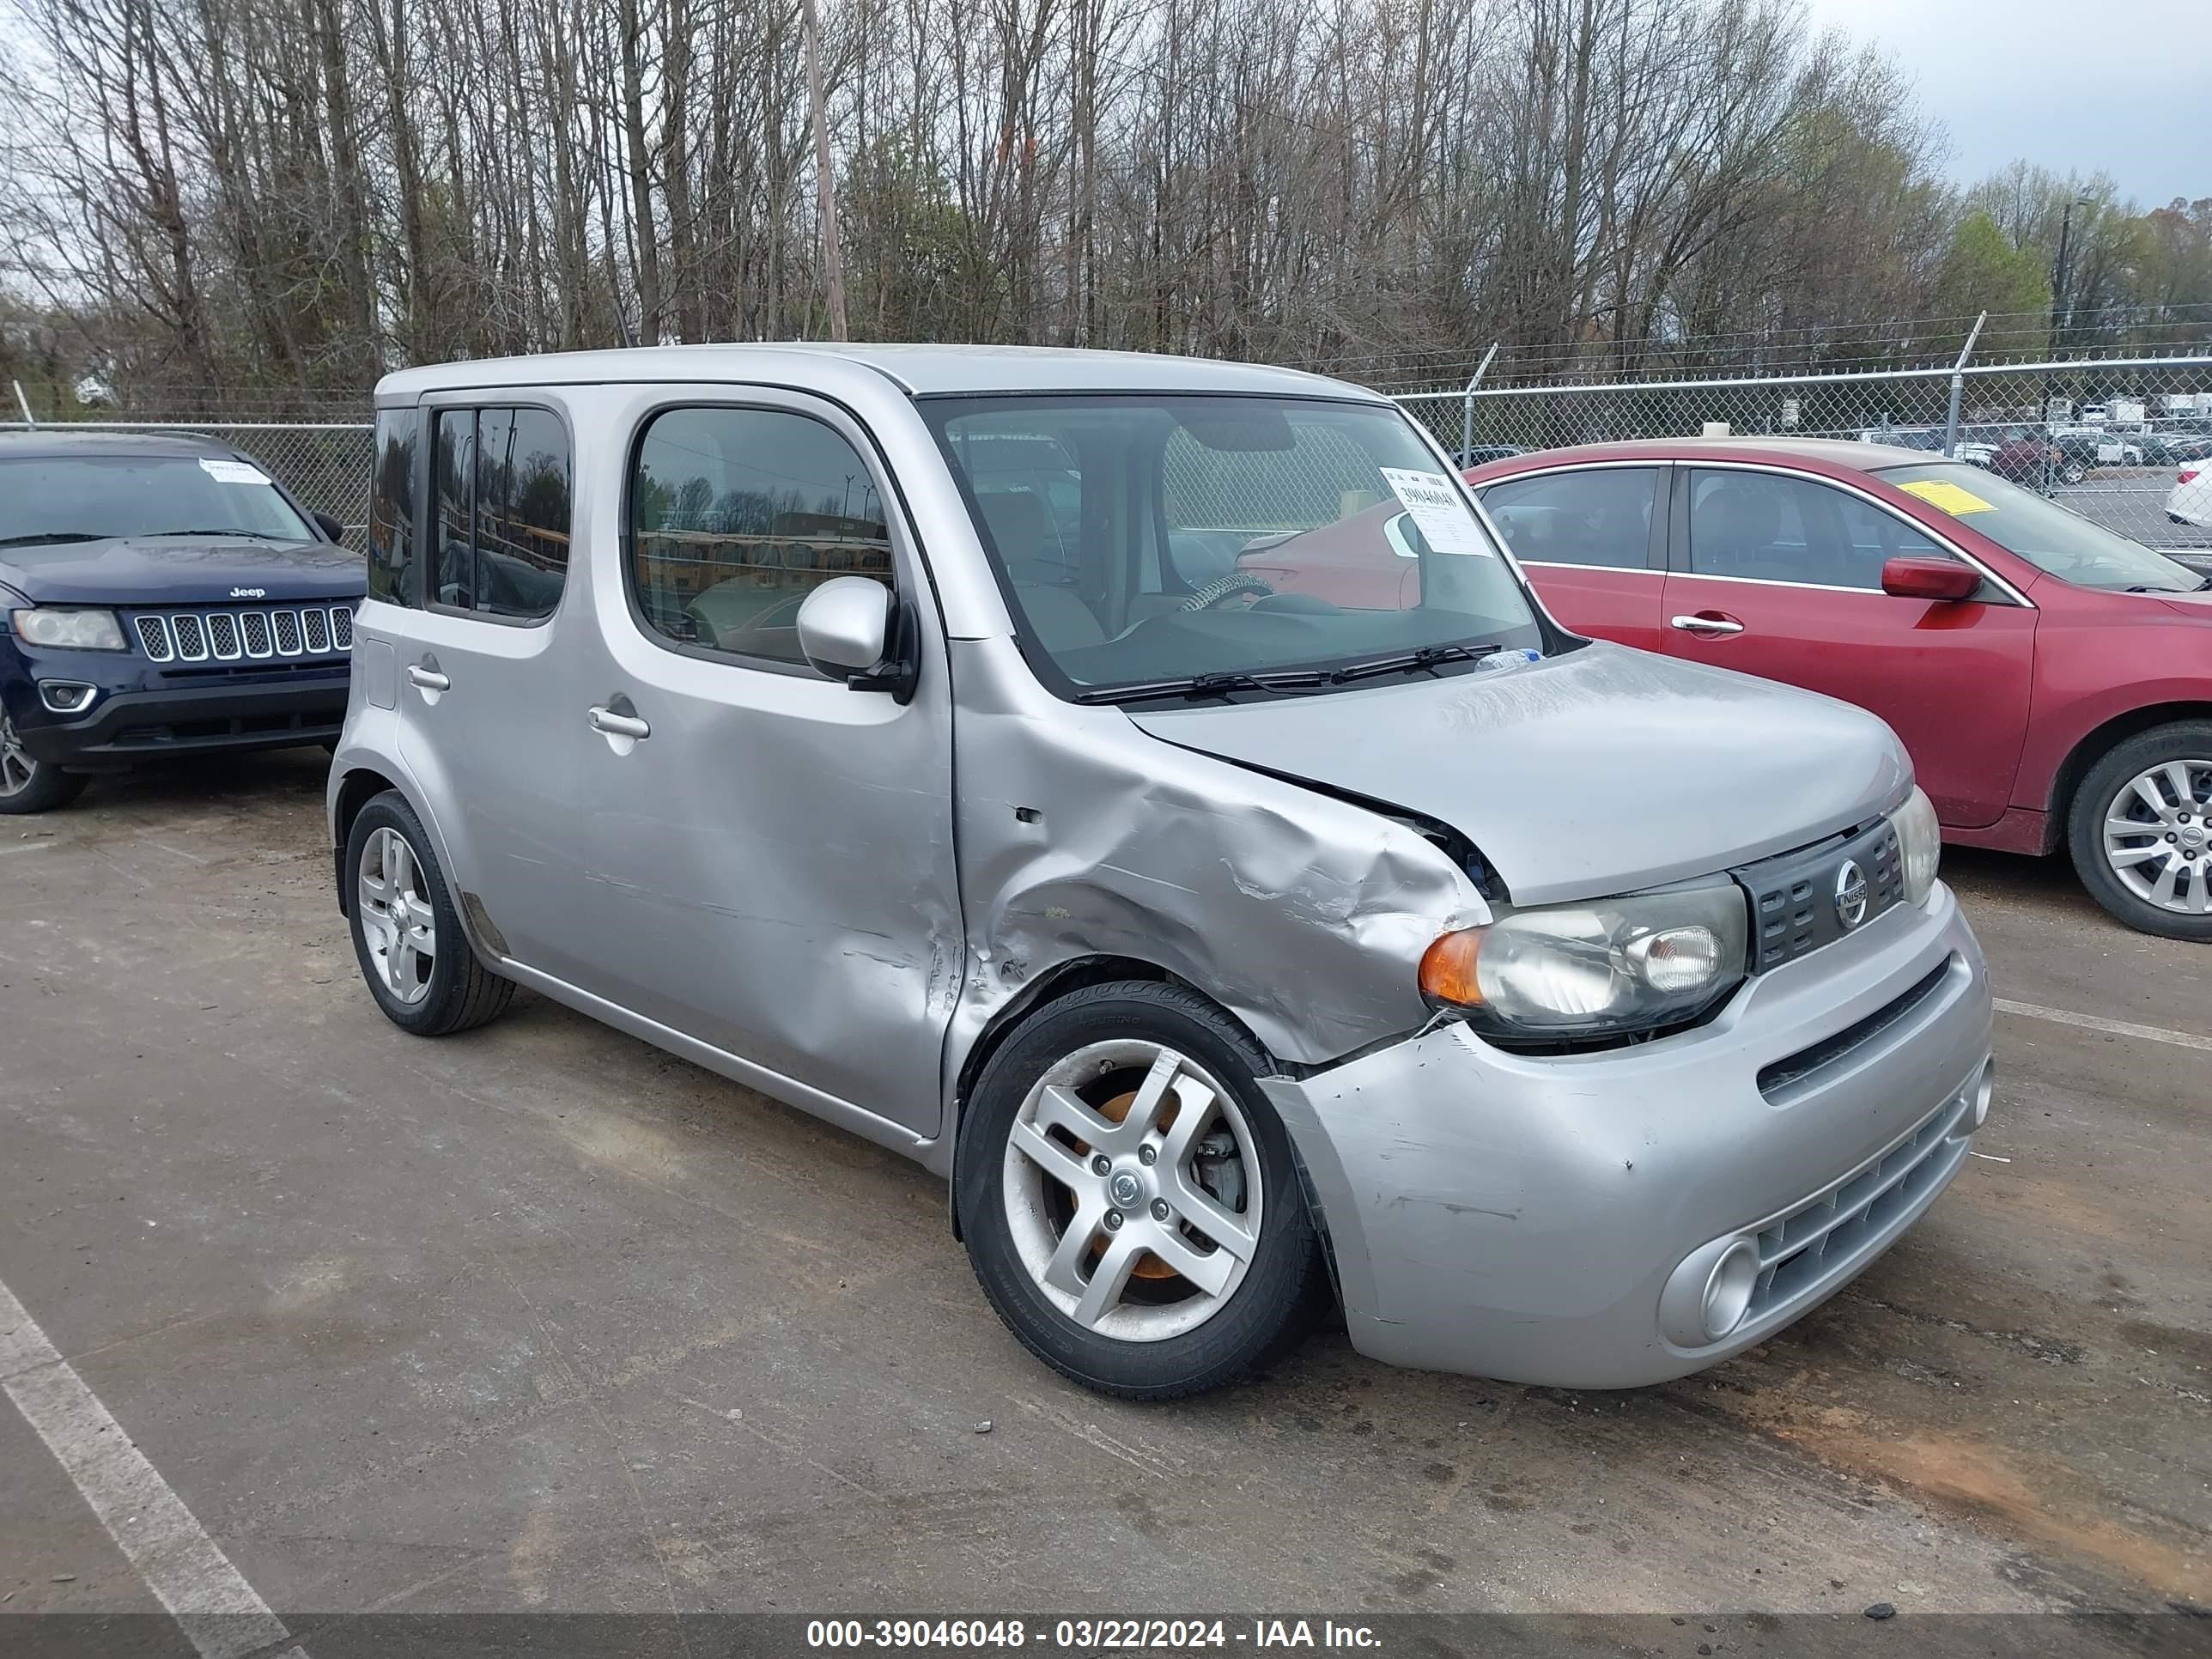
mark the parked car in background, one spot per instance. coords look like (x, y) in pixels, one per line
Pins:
(165, 597)
(2096, 447)
(1483, 454)
(2023, 455)
(2170, 448)
(2052, 680)
(2190, 500)
(1183, 923)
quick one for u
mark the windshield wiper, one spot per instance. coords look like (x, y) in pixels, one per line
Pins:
(231, 530)
(49, 536)
(1203, 686)
(1429, 657)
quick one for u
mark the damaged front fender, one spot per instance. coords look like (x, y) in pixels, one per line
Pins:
(1305, 916)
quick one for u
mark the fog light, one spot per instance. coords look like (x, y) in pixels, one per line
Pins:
(1729, 1287)
(1709, 1293)
(66, 697)
(1985, 1089)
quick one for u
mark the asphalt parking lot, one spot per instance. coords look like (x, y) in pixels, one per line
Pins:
(539, 1318)
(2131, 501)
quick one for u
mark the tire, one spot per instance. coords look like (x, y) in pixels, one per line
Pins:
(2112, 817)
(29, 785)
(1214, 1301)
(456, 992)
(2072, 472)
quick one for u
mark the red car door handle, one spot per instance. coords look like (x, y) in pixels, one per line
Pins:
(1706, 621)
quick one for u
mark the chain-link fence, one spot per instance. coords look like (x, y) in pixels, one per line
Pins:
(326, 464)
(2122, 441)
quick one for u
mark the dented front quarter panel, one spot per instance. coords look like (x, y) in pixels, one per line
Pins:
(1080, 836)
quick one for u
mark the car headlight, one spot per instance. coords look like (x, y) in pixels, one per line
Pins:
(1598, 968)
(78, 629)
(1919, 844)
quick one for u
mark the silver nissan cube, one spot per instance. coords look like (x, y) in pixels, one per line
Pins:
(1146, 793)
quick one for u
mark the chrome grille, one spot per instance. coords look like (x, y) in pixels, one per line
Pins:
(225, 636)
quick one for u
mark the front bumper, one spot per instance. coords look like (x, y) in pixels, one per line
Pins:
(1537, 1220)
(127, 726)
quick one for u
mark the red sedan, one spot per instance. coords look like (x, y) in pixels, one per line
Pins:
(2052, 680)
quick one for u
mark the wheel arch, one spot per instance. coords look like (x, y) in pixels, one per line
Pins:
(1056, 982)
(2093, 744)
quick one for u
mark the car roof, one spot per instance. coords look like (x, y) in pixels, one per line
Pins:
(47, 441)
(1835, 452)
(918, 370)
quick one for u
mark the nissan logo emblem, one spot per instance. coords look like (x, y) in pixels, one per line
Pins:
(1850, 895)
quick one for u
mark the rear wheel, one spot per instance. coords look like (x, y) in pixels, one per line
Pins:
(1130, 1201)
(2140, 834)
(406, 933)
(31, 786)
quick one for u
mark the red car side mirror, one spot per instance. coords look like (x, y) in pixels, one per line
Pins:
(1940, 579)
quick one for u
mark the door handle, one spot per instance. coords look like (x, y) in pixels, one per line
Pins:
(604, 719)
(1706, 625)
(429, 678)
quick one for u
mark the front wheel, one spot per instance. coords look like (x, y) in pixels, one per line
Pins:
(31, 786)
(1130, 1201)
(2072, 472)
(2139, 834)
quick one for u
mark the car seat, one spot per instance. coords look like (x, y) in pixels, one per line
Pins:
(1044, 587)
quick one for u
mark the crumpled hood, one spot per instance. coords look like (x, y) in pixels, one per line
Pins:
(1598, 772)
(163, 570)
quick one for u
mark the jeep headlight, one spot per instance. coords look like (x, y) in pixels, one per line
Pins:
(66, 625)
(1596, 968)
(1919, 844)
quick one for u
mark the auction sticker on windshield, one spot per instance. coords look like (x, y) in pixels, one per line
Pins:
(1943, 494)
(232, 472)
(1445, 519)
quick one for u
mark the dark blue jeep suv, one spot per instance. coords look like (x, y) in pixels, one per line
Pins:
(161, 596)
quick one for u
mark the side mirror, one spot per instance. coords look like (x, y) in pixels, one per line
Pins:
(329, 526)
(1940, 579)
(844, 626)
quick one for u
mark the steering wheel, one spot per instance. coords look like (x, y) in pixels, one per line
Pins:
(1225, 588)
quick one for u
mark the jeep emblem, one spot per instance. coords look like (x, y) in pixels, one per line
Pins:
(249, 592)
(1850, 895)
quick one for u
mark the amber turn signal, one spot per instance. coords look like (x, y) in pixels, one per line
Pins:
(1447, 967)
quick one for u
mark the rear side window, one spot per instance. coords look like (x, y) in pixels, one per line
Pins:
(392, 508)
(1763, 526)
(736, 516)
(500, 511)
(1600, 517)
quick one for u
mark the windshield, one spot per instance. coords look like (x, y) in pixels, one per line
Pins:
(2049, 537)
(1146, 539)
(85, 497)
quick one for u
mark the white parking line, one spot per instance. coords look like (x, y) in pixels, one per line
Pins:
(2109, 1027)
(217, 1610)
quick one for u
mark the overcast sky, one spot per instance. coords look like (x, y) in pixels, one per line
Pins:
(2081, 85)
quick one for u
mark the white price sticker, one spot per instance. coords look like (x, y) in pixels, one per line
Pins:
(1439, 510)
(232, 472)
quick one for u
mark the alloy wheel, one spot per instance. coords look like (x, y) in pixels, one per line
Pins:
(2157, 840)
(397, 920)
(16, 766)
(1133, 1190)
